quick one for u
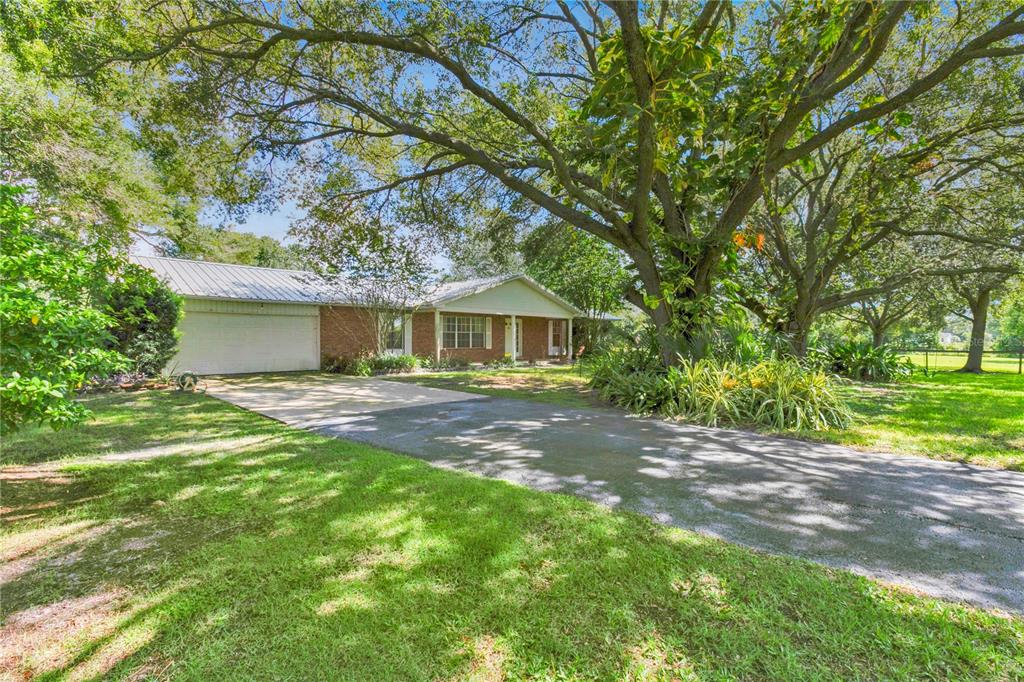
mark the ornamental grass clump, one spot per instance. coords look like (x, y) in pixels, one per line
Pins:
(775, 393)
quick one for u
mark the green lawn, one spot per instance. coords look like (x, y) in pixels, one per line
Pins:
(952, 361)
(560, 385)
(953, 416)
(961, 417)
(179, 537)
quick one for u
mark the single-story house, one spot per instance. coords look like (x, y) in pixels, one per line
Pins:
(241, 318)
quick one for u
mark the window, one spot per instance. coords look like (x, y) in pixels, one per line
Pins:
(396, 335)
(464, 332)
(556, 334)
(556, 337)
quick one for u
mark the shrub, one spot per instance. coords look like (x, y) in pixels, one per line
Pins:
(355, 365)
(393, 364)
(145, 314)
(862, 361)
(55, 335)
(504, 361)
(446, 362)
(367, 365)
(775, 393)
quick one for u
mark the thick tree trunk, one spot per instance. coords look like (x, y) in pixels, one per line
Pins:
(681, 321)
(798, 325)
(877, 336)
(797, 337)
(979, 314)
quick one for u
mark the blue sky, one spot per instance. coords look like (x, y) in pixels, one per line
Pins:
(274, 224)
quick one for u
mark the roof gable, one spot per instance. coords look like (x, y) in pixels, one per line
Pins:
(511, 294)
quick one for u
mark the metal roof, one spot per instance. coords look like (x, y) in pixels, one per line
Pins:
(203, 279)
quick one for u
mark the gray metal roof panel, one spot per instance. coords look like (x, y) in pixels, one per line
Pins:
(203, 279)
(240, 282)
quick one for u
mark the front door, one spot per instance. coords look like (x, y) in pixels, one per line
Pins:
(556, 337)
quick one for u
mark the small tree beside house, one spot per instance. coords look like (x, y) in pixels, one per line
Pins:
(382, 285)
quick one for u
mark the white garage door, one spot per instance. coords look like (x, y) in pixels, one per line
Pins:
(232, 338)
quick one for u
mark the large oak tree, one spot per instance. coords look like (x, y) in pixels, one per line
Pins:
(653, 126)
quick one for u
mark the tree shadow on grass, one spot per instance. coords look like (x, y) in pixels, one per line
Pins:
(956, 417)
(287, 555)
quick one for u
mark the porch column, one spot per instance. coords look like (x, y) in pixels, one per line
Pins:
(437, 336)
(515, 336)
(569, 336)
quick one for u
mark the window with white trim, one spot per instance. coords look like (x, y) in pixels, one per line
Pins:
(463, 332)
(395, 340)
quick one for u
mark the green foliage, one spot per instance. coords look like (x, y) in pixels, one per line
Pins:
(393, 364)
(55, 336)
(680, 96)
(225, 245)
(738, 379)
(505, 361)
(145, 315)
(656, 132)
(778, 394)
(862, 361)
(83, 162)
(446, 362)
(1010, 316)
(368, 365)
(579, 267)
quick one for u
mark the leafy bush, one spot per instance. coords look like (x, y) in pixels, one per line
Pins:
(145, 314)
(368, 365)
(446, 362)
(862, 361)
(55, 336)
(355, 365)
(393, 364)
(502, 362)
(776, 393)
(753, 384)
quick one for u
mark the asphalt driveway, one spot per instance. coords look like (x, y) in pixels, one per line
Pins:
(950, 530)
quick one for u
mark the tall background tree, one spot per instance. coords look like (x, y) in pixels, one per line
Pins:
(652, 126)
(584, 270)
(1010, 315)
(227, 245)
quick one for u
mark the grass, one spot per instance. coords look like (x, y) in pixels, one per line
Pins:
(179, 537)
(560, 385)
(975, 418)
(952, 416)
(954, 361)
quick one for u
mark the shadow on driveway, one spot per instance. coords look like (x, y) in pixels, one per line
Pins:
(951, 530)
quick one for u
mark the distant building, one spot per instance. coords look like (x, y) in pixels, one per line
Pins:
(949, 338)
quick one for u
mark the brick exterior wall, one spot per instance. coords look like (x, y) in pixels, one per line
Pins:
(423, 334)
(535, 339)
(344, 332)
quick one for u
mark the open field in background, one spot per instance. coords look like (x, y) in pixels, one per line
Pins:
(961, 417)
(178, 537)
(975, 418)
(953, 361)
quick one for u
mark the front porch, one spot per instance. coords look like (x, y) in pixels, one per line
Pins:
(482, 338)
